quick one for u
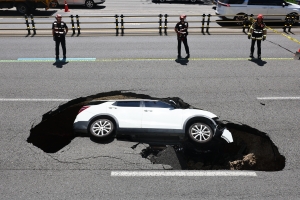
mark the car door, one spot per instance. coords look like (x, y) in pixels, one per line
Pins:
(160, 115)
(276, 8)
(256, 7)
(127, 113)
(69, 2)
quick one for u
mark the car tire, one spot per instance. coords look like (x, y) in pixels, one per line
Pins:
(162, 1)
(89, 3)
(193, 1)
(54, 4)
(239, 17)
(297, 17)
(22, 8)
(200, 133)
(101, 128)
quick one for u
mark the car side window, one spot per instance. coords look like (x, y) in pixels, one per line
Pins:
(258, 2)
(128, 103)
(157, 104)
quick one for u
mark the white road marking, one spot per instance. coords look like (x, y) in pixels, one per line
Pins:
(60, 100)
(181, 173)
(278, 98)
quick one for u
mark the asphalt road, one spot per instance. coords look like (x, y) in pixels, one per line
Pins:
(218, 78)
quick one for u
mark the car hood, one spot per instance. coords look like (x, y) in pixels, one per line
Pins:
(195, 112)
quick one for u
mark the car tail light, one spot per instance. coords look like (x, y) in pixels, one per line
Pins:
(83, 108)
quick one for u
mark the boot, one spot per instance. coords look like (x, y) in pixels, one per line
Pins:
(251, 55)
(259, 56)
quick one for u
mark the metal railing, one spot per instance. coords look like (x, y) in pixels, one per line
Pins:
(120, 25)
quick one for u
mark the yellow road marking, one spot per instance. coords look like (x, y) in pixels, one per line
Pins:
(285, 35)
(143, 59)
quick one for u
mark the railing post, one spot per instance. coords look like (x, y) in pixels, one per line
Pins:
(78, 27)
(117, 24)
(166, 24)
(203, 20)
(72, 23)
(207, 24)
(32, 24)
(160, 24)
(289, 21)
(27, 24)
(122, 24)
(245, 22)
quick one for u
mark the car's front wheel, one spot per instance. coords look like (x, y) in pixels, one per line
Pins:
(200, 132)
(102, 128)
(89, 3)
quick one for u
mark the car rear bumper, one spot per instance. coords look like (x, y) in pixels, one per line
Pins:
(80, 127)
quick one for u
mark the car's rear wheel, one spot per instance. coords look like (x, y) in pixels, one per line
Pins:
(200, 133)
(89, 3)
(239, 18)
(54, 4)
(22, 8)
(101, 128)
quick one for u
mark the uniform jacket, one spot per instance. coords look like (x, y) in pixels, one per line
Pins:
(59, 28)
(182, 27)
(258, 30)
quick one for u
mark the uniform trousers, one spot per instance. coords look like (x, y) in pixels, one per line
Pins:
(258, 46)
(60, 40)
(184, 40)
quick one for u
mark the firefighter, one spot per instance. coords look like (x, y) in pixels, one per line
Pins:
(181, 29)
(59, 31)
(257, 32)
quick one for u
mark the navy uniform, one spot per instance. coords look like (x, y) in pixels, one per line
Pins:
(59, 31)
(181, 29)
(257, 32)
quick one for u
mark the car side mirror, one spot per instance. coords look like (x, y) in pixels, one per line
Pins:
(283, 4)
(214, 7)
(173, 103)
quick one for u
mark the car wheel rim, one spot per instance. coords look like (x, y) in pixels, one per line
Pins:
(201, 132)
(239, 18)
(89, 4)
(193, 1)
(101, 128)
(22, 9)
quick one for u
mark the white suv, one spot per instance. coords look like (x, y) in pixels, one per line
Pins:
(149, 120)
(271, 9)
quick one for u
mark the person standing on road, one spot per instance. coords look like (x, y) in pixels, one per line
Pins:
(257, 32)
(59, 31)
(181, 29)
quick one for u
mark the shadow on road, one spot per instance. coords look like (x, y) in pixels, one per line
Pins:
(60, 64)
(182, 61)
(259, 62)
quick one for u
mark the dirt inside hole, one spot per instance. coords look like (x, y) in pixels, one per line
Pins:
(251, 149)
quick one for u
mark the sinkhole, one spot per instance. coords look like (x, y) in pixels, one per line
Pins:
(251, 149)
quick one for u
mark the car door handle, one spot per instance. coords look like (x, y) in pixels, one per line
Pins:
(112, 108)
(148, 110)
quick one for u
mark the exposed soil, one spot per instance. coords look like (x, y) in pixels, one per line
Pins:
(251, 149)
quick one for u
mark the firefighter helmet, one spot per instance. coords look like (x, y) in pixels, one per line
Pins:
(260, 16)
(58, 16)
(182, 17)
